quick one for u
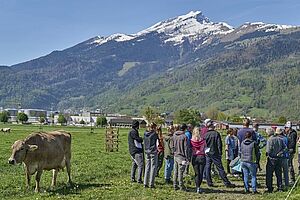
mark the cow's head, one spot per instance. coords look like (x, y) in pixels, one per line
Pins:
(19, 151)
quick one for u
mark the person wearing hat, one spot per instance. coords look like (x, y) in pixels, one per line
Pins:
(292, 142)
(285, 158)
(214, 155)
(274, 152)
(136, 152)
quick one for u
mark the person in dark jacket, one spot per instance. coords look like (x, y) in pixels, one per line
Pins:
(242, 132)
(274, 151)
(169, 154)
(285, 157)
(249, 161)
(150, 142)
(136, 152)
(292, 143)
(180, 156)
(214, 155)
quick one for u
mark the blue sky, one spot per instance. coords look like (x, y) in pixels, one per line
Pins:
(33, 28)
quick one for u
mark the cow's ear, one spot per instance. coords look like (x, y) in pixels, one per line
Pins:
(32, 147)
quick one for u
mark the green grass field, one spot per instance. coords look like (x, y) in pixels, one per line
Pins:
(100, 175)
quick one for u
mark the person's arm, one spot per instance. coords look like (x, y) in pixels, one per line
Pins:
(185, 144)
(293, 142)
(267, 148)
(256, 149)
(219, 143)
(134, 135)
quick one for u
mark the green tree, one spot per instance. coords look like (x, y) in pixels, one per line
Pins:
(222, 116)
(42, 120)
(22, 117)
(61, 119)
(187, 116)
(282, 120)
(150, 113)
(101, 121)
(212, 113)
(4, 116)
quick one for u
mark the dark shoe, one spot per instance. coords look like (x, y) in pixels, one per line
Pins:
(269, 191)
(176, 187)
(246, 192)
(182, 188)
(211, 185)
(146, 186)
(152, 186)
(255, 192)
(168, 181)
(140, 182)
(230, 185)
(133, 180)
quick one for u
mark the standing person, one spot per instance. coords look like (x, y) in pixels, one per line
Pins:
(292, 142)
(188, 134)
(169, 154)
(229, 148)
(198, 157)
(285, 157)
(298, 156)
(274, 151)
(180, 156)
(261, 141)
(242, 132)
(249, 161)
(136, 152)
(160, 150)
(214, 155)
(150, 142)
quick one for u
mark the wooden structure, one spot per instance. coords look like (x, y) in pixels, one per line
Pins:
(111, 139)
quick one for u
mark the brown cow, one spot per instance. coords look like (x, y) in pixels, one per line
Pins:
(43, 151)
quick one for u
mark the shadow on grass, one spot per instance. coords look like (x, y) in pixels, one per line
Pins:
(76, 188)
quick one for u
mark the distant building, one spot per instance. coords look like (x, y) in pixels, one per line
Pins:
(13, 112)
(34, 115)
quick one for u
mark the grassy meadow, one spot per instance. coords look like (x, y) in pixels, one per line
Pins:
(101, 175)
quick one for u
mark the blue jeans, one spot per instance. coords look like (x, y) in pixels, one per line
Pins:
(249, 169)
(169, 168)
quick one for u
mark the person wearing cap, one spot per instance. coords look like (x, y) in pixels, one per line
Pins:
(151, 155)
(261, 141)
(136, 152)
(214, 155)
(180, 156)
(292, 142)
(274, 152)
(285, 157)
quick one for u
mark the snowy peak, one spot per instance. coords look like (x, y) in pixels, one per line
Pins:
(192, 25)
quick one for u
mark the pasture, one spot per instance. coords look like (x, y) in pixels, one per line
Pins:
(100, 175)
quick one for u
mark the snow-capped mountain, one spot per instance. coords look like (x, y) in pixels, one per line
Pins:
(108, 70)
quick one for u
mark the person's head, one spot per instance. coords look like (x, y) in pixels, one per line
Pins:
(135, 124)
(190, 127)
(288, 126)
(176, 127)
(235, 131)
(153, 126)
(255, 126)
(248, 135)
(278, 131)
(207, 122)
(246, 122)
(210, 124)
(270, 131)
(196, 133)
(183, 127)
(230, 131)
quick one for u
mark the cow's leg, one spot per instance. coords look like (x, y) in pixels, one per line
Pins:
(28, 177)
(68, 166)
(37, 180)
(55, 172)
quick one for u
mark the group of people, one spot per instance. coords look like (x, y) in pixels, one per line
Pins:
(201, 147)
